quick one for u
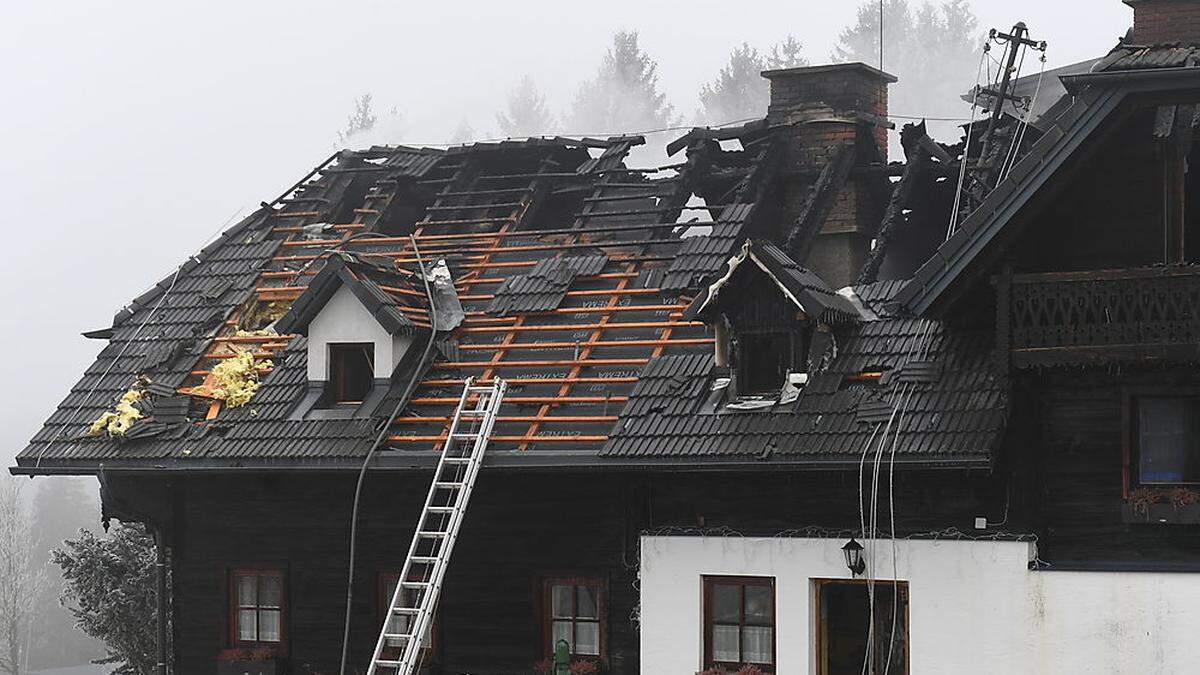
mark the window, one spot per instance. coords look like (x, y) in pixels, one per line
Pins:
(846, 623)
(399, 623)
(257, 607)
(739, 622)
(1167, 438)
(351, 371)
(765, 359)
(574, 610)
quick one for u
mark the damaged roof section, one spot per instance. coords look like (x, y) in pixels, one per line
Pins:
(552, 265)
(805, 289)
(395, 297)
(952, 413)
(543, 288)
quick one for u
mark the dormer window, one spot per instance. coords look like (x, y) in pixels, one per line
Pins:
(361, 316)
(766, 311)
(764, 359)
(351, 371)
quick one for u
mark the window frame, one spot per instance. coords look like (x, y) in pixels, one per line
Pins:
(545, 605)
(820, 641)
(234, 634)
(1130, 442)
(337, 374)
(708, 609)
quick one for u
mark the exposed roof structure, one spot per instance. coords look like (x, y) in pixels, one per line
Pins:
(1127, 70)
(573, 273)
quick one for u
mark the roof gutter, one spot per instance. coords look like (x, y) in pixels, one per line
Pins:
(582, 462)
(1153, 76)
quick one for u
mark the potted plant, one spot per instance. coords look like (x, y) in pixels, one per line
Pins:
(1178, 505)
(744, 670)
(241, 661)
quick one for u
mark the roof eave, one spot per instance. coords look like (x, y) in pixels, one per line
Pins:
(527, 461)
(931, 282)
(1148, 78)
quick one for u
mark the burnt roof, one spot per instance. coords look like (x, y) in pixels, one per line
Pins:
(573, 275)
(399, 312)
(804, 288)
(953, 417)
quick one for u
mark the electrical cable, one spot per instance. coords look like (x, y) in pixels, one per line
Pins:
(966, 153)
(1023, 127)
(566, 134)
(362, 472)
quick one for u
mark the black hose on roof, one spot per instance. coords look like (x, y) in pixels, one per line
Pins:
(362, 472)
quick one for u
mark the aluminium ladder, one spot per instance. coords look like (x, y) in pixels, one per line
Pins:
(410, 612)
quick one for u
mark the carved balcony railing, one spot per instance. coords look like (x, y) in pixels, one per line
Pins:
(1148, 313)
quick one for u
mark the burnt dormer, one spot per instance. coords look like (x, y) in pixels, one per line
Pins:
(772, 318)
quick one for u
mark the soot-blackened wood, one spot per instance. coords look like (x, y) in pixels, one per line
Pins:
(1078, 486)
(519, 528)
(819, 203)
(917, 156)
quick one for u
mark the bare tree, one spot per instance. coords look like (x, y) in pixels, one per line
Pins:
(359, 121)
(463, 133)
(526, 113)
(20, 578)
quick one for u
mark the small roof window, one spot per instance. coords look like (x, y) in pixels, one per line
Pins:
(351, 372)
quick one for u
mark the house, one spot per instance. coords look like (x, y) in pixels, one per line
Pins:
(781, 403)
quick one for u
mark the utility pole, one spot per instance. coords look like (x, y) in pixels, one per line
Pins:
(1017, 40)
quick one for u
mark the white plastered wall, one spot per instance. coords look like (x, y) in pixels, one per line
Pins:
(975, 607)
(345, 319)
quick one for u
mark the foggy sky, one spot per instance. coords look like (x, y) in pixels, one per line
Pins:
(134, 130)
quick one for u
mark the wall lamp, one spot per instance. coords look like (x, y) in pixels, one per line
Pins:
(854, 560)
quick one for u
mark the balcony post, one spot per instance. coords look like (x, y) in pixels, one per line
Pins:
(1003, 315)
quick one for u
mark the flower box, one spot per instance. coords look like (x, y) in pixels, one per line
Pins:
(1161, 514)
(250, 662)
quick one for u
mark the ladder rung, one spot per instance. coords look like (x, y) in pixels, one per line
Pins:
(433, 544)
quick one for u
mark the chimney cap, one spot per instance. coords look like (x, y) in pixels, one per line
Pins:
(831, 68)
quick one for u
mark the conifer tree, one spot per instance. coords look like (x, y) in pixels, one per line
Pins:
(624, 95)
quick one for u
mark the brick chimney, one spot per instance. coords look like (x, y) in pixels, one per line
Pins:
(1159, 21)
(823, 108)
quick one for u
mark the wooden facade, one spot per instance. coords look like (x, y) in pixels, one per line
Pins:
(522, 528)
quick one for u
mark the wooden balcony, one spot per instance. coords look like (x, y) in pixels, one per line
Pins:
(1136, 314)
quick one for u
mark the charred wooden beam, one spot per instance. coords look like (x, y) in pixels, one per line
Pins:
(819, 203)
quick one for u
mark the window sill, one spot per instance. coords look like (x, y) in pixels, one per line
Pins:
(1160, 514)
